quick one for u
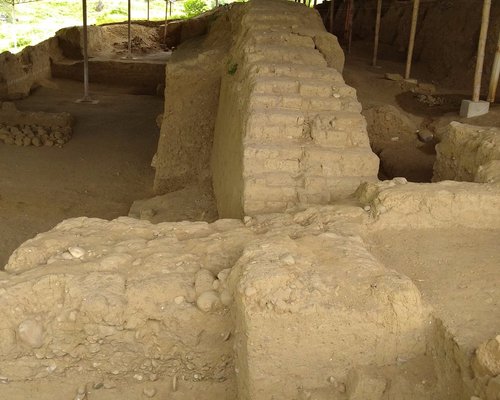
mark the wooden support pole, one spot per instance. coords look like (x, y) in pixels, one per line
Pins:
(348, 24)
(411, 44)
(495, 73)
(480, 50)
(377, 32)
(331, 11)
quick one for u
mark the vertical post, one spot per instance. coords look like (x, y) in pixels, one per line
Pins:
(166, 21)
(148, 10)
(129, 55)
(85, 53)
(480, 50)
(411, 44)
(377, 32)
(169, 8)
(349, 25)
(14, 35)
(495, 73)
(315, 3)
(331, 11)
(86, 96)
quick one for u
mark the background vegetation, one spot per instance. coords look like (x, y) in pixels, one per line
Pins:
(36, 21)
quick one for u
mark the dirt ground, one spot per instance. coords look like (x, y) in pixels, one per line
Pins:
(393, 135)
(455, 270)
(99, 172)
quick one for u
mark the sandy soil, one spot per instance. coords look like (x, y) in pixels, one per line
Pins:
(456, 272)
(100, 172)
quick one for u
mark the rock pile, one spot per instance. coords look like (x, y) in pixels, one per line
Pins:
(34, 135)
(23, 128)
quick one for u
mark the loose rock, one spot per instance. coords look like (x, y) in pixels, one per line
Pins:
(487, 359)
(149, 392)
(31, 333)
(208, 301)
(203, 281)
(76, 252)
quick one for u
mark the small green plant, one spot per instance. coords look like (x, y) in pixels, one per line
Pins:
(192, 8)
(232, 68)
(23, 42)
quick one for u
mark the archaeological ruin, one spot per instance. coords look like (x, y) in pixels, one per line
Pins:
(273, 200)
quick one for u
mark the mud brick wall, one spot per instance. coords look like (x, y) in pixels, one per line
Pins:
(468, 153)
(289, 130)
(192, 85)
(19, 73)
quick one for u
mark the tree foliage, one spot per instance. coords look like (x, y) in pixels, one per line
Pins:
(192, 8)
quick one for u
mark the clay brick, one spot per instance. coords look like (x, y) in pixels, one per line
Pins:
(339, 130)
(265, 36)
(315, 88)
(254, 189)
(280, 54)
(296, 102)
(297, 71)
(345, 162)
(275, 86)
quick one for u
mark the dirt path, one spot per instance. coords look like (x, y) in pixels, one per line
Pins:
(99, 173)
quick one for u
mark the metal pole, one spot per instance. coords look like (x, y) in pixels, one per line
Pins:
(166, 21)
(495, 73)
(480, 50)
(85, 53)
(148, 10)
(86, 96)
(330, 14)
(129, 33)
(377, 32)
(413, 31)
(14, 35)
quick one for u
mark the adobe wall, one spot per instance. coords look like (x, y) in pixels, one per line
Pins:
(468, 153)
(446, 40)
(289, 130)
(54, 57)
(95, 306)
(192, 85)
(20, 73)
